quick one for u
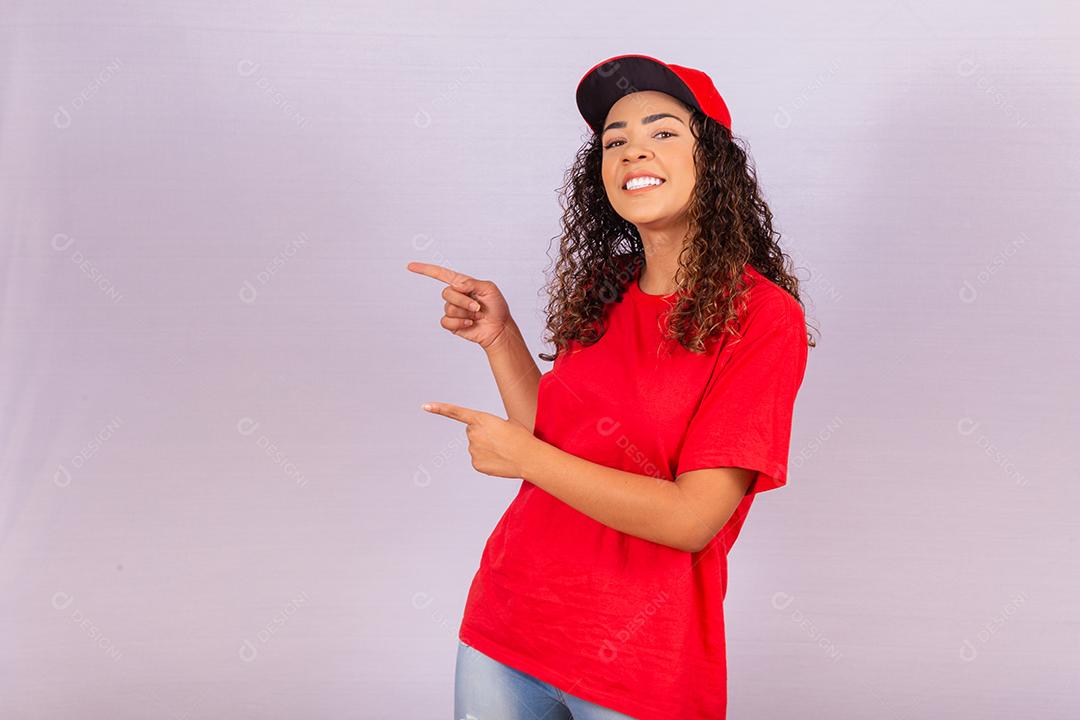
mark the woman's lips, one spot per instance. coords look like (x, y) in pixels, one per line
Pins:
(645, 189)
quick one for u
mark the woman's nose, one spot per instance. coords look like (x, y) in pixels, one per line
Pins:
(638, 153)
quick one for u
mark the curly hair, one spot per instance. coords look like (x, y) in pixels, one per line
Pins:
(729, 225)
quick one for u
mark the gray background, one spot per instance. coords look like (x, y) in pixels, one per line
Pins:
(218, 494)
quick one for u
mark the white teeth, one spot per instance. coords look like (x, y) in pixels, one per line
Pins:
(640, 182)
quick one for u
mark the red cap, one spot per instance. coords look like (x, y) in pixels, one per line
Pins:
(615, 77)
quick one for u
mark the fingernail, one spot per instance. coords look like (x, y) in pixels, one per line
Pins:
(468, 322)
(426, 406)
(474, 306)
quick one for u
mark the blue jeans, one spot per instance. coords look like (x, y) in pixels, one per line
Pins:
(485, 689)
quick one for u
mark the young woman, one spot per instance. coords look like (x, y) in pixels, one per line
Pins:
(681, 344)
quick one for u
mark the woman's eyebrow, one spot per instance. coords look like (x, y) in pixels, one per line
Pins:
(644, 121)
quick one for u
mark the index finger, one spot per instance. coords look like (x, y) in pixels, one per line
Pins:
(448, 276)
(449, 410)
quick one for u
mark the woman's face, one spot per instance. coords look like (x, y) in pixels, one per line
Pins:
(648, 132)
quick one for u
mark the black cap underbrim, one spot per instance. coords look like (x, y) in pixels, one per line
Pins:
(606, 84)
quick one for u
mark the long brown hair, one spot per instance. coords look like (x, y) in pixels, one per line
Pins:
(729, 225)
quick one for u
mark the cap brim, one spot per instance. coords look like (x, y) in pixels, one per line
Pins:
(607, 82)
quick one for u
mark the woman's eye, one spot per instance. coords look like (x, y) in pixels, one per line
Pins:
(661, 132)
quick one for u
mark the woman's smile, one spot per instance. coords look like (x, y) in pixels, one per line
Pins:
(644, 188)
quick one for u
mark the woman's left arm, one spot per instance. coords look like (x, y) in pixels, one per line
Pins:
(685, 514)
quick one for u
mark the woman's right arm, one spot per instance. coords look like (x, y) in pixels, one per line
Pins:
(516, 374)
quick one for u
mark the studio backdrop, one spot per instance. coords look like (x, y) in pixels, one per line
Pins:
(219, 496)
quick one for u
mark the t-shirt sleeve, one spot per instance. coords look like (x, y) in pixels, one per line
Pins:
(744, 419)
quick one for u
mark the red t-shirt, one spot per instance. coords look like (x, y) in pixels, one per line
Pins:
(620, 621)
